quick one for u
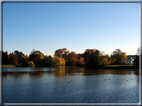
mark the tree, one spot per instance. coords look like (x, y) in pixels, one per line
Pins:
(36, 56)
(62, 53)
(123, 57)
(4, 58)
(92, 58)
(81, 61)
(138, 56)
(136, 62)
(105, 59)
(86, 56)
(19, 56)
(31, 64)
(25, 61)
(80, 55)
(50, 61)
(118, 57)
(13, 59)
(95, 59)
(72, 58)
(59, 61)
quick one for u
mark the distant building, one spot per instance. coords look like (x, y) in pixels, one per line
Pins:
(132, 56)
(129, 60)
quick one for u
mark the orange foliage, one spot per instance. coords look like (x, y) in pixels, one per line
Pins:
(26, 58)
(81, 61)
(13, 59)
(105, 60)
(72, 58)
(62, 53)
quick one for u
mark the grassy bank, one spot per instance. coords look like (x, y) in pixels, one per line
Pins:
(104, 67)
(118, 67)
(8, 65)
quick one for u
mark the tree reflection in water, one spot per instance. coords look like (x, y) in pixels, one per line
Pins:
(84, 85)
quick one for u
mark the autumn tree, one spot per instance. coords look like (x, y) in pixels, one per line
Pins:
(63, 62)
(81, 61)
(105, 60)
(80, 55)
(62, 53)
(72, 58)
(36, 56)
(13, 59)
(25, 61)
(49, 61)
(118, 57)
(59, 61)
(123, 57)
(31, 64)
(19, 56)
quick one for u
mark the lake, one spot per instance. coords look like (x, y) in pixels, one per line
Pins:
(69, 85)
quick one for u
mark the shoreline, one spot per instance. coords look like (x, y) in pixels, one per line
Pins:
(103, 67)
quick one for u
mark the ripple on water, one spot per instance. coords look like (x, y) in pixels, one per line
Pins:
(53, 87)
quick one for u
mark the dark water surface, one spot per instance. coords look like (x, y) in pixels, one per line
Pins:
(70, 85)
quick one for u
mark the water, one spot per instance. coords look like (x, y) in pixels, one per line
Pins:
(69, 85)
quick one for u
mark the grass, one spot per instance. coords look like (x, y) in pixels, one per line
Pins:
(8, 65)
(118, 66)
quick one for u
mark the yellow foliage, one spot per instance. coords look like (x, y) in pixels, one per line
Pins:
(60, 60)
(40, 56)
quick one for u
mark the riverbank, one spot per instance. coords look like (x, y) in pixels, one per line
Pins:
(8, 66)
(104, 67)
(118, 67)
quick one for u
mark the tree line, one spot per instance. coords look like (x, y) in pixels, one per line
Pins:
(91, 58)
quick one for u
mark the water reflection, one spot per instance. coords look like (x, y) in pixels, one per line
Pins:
(85, 86)
(62, 71)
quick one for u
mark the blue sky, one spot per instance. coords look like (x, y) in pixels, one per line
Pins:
(75, 26)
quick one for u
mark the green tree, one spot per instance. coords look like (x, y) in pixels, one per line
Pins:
(95, 59)
(50, 61)
(36, 57)
(118, 57)
(4, 58)
(86, 56)
(92, 58)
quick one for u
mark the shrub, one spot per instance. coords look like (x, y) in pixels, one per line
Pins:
(31, 64)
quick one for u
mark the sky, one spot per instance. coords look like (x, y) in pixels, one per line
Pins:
(75, 26)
